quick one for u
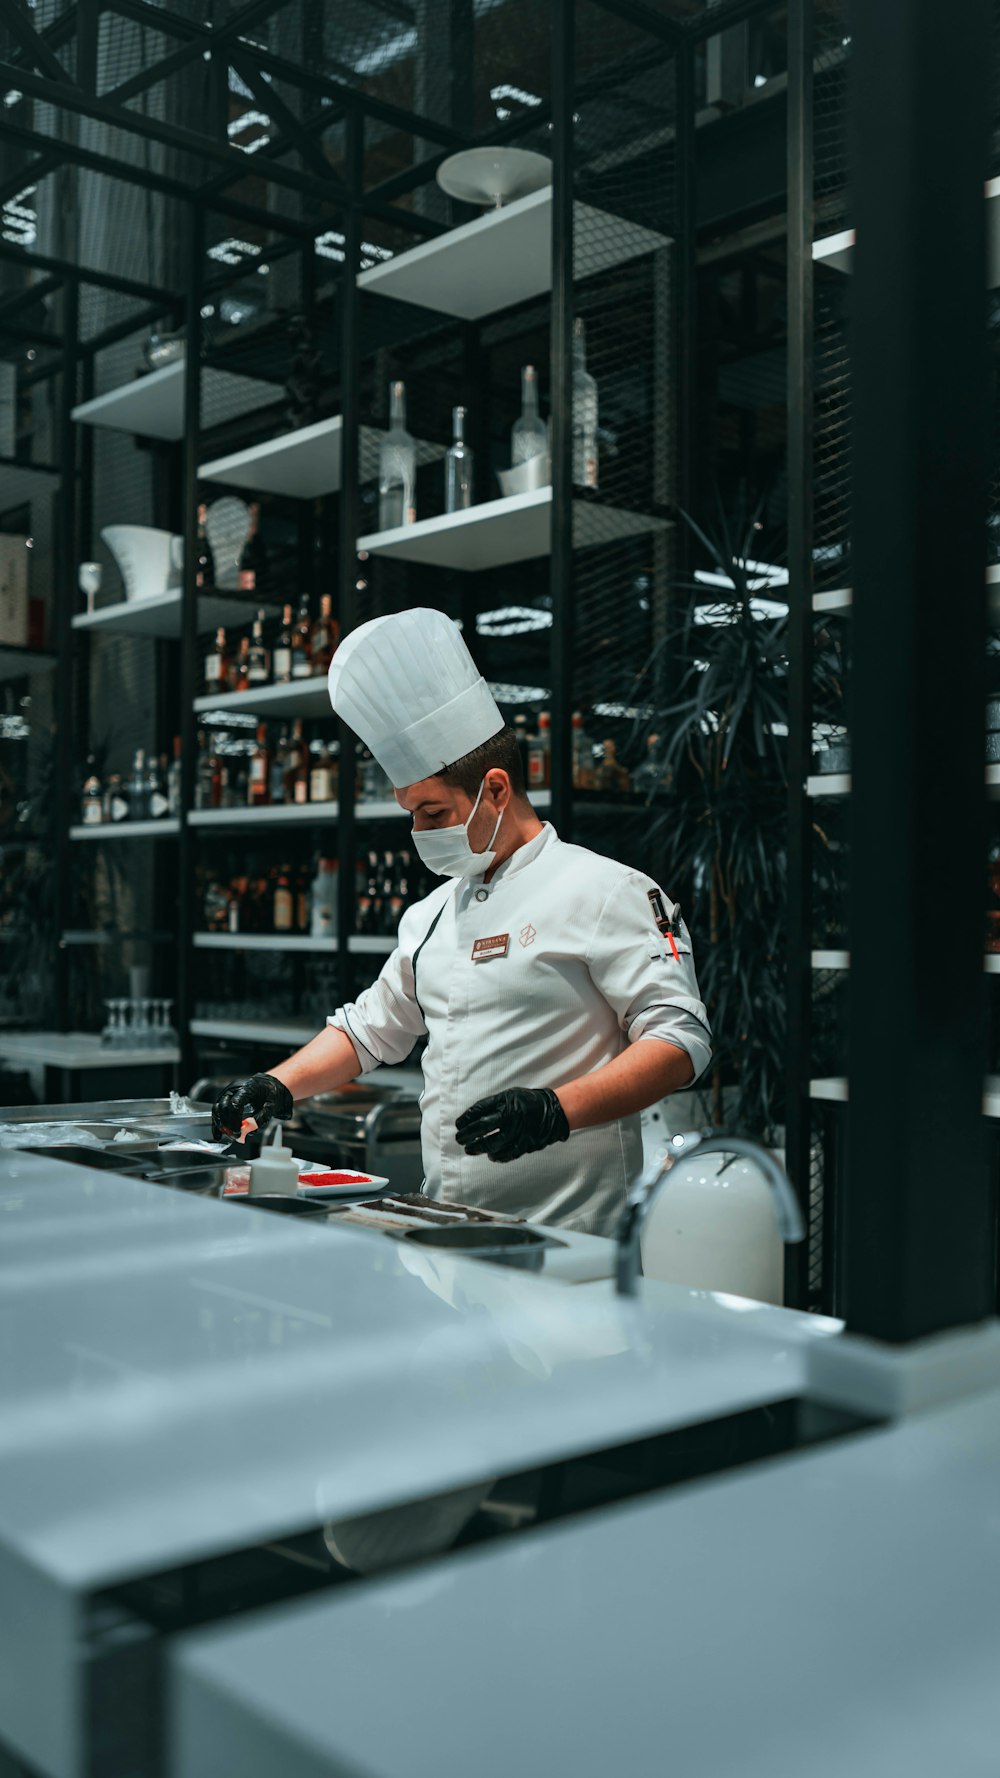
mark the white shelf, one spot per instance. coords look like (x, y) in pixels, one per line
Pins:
(153, 406)
(373, 945)
(168, 827)
(993, 781)
(160, 616)
(496, 533)
(838, 250)
(991, 962)
(250, 1031)
(840, 599)
(16, 662)
(281, 815)
(261, 941)
(829, 784)
(304, 464)
(79, 1049)
(505, 257)
(539, 799)
(300, 697)
(834, 1091)
(830, 959)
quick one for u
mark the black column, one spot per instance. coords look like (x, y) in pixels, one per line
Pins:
(350, 399)
(189, 675)
(66, 775)
(916, 1196)
(800, 620)
(561, 387)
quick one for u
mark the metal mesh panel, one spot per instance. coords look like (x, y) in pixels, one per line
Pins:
(832, 48)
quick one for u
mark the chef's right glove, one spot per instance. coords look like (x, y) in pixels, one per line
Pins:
(262, 1097)
(513, 1123)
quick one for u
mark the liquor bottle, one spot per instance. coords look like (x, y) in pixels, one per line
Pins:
(540, 754)
(242, 676)
(203, 773)
(259, 778)
(174, 780)
(284, 903)
(528, 436)
(281, 654)
(391, 906)
(116, 799)
(301, 900)
(321, 777)
(253, 557)
(363, 891)
(323, 908)
(373, 894)
(217, 665)
(583, 755)
(91, 805)
(258, 658)
(301, 636)
(204, 573)
(458, 467)
(137, 793)
(523, 739)
(157, 804)
(397, 467)
(297, 769)
(584, 412)
(610, 774)
(324, 638)
(649, 776)
(278, 767)
(219, 777)
(234, 908)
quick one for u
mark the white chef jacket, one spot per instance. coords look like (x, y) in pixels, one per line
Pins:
(586, 970)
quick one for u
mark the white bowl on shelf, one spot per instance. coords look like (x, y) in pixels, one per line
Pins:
(524, 478)
(149, 561)
(494, 176)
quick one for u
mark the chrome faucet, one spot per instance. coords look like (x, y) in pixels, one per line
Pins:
(787, 1214)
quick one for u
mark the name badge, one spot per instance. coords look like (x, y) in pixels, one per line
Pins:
(485, 948)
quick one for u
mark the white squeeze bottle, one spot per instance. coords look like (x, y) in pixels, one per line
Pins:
(276, 1170)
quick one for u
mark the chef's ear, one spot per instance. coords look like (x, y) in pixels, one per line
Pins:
(497, 787)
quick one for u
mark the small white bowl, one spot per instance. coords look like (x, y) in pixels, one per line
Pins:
(536, 473)
(149, 561)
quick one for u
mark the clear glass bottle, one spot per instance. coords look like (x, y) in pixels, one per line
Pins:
(584, 412)
(217, 665)
(116, 799)
(458, 465)
(157, 804)
(321, 777)
(528, 435)
(258, 657)
(259, 776)
(281, 654)
(301, 638)
(92, 803)
(137, 789)
(397, 467)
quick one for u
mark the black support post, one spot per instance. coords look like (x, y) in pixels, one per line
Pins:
(65, 776)
(561, 388)
(189, 641)
(916, 1200)
(798, 1125)
(350, 407)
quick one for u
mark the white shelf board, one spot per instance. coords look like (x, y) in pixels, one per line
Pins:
(505, 257)
(305, 464)
(252, 1031)
(16, 662)
(991, 962)
(993, 781)
(829, 784)
(300, 697)
(261, 941)
(496, 533)
(153, 406)
(539, 799)
(281, 815)
(160, 616)
(167, 828)
(372, 944)
(839, 599)
(79, 1049)
(838, 250)
(830, 959)
(834, 1090)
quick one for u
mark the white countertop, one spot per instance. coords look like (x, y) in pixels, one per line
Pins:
(80, 1049)
(830, 1613)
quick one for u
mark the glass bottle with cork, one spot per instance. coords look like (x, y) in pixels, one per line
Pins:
(324, 638)
(281, 654)
(259, 777)
(218, 665)
(301, 641)
(528, 435)
(540, 754)
(458, 467)
(258, 658)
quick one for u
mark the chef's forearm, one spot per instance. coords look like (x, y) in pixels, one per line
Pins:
(328, 1061)
(640, 1076)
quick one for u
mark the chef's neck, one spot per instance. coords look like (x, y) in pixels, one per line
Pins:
(520, 825)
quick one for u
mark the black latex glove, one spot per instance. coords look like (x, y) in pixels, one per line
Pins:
(261, 1097)
(507, 1125)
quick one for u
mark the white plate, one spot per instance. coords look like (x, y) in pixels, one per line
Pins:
(356, 1184)
(493, 176)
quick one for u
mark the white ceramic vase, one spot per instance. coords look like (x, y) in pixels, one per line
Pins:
(150, 561)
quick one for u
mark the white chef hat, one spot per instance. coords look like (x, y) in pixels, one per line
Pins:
(408, 686)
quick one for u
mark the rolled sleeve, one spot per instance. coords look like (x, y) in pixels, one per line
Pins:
(653, 993)
(385, 1021)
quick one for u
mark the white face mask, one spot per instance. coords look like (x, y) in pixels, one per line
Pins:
(447, 852)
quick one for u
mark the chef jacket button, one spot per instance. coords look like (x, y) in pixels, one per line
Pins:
(482, 895)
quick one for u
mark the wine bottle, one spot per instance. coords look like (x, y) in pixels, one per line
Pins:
(281, 654)
(217, 665)
(301, 637)
(258, 658)
(203, 570)
(324, 638)
(397, 467)
(259, 779)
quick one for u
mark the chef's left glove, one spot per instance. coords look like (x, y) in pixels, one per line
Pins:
(507, 1125)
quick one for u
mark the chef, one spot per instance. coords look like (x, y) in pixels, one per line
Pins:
(555, 987)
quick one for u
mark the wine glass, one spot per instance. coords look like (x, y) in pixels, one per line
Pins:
(89, 578)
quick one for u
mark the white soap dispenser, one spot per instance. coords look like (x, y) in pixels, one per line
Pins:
(275, 1172)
